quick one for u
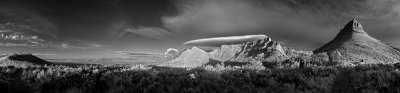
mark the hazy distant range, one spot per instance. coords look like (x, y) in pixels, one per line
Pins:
(131, 60)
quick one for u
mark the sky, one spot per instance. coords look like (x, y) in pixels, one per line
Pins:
(115, 28)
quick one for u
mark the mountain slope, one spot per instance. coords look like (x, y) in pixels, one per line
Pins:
(353, 44)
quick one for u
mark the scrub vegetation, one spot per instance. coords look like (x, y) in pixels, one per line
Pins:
(217, 78)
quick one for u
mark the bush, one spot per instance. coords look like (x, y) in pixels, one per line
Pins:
(119, 78)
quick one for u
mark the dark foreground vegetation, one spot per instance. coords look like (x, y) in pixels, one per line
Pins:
(217, 79)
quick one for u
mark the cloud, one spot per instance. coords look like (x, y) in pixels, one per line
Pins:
(218, 41)
(214, 16)
(150, 32)
(306, 24)
(130, 53)
(171, 53)
(25, 20)
(43, 54)
(117, 29)
(121, 28)
(15, 39)
(17, 35)
(303, 24)
(18, 45)
(80, 44)
(20, 28)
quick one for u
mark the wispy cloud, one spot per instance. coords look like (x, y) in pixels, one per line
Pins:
(27, 20)
(19, 45)
(150, 32)
(80, 44)
(130, 53)
(43, 54)
(121, 28)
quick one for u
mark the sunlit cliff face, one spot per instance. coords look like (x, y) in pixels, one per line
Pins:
(70, 28)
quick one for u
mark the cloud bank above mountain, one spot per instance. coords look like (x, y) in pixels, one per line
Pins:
(218, 41)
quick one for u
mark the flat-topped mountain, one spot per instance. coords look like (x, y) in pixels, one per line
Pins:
(353, 44)
(253, 48)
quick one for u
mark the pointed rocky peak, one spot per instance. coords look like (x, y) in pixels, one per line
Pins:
(353, 44)
(353, 25)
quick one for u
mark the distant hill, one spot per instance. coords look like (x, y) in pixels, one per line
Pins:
(27, 59)
(353, 44)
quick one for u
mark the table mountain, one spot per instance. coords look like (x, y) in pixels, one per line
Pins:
(261, 50)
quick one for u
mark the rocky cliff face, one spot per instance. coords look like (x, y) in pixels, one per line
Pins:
(353, 44)
(263, 50)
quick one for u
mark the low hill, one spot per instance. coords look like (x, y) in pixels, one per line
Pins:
(20, 59)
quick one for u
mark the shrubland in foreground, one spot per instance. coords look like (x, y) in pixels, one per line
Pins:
(138, 79)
